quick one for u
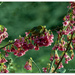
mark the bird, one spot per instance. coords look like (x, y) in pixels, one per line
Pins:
(37, 30)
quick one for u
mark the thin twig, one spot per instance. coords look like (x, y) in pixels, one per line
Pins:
(36, 66)
(57, 28)
(63, 54)
(7, 45)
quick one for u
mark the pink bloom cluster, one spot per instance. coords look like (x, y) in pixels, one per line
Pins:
(4, 67)
(28, 66)
(73, 41)
(56, 58)
(45, 40)
(6, 54)
(67, 58)
(69, 21)
(3, 34)
(65, 23)
(44, 70)
(72, 55)
(51, 58)
(61, 47)
(73, 6)
(68, 28)
(55, 47)
(60, 66)
(3, 60)
(57, 61)
(22, 45)
(4, 70)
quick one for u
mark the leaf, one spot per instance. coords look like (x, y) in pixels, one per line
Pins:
(1, 27)
(1, 3)
(62, 70)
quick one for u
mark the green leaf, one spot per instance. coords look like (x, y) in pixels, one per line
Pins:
(1, 27)
(1, 3)
(62, 70)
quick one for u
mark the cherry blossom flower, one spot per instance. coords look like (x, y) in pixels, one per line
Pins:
(28, 66)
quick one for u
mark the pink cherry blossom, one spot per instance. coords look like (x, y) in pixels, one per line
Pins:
(66, 23)
(51, 58)
(6, 54)
(28, 66)
(44, 70)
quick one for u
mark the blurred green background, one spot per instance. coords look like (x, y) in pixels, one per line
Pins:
(19, 17)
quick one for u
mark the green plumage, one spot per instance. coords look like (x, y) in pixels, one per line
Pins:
(37, 30)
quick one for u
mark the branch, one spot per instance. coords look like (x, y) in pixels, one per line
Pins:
(7, 45)
(63, 54)
(36, 66)
(57, 28)
(13, 42)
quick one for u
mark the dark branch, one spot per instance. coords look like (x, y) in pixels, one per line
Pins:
(63, 54)
(7, 45)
